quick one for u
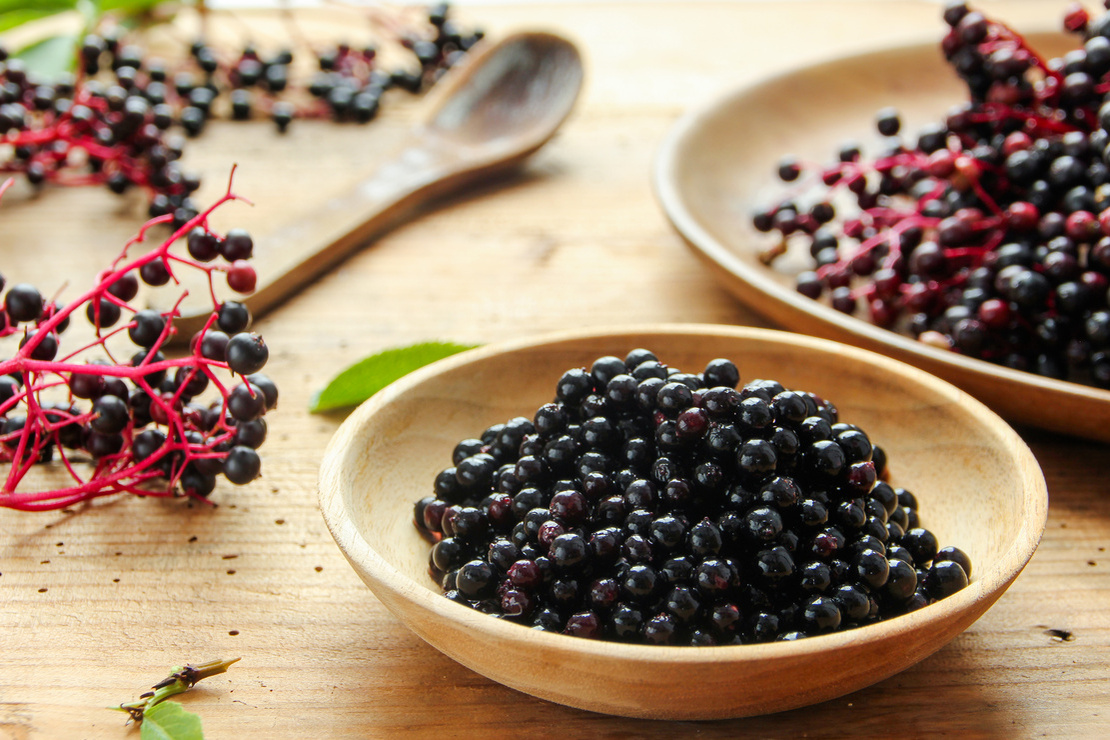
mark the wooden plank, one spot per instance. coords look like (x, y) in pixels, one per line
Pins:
(96, 605)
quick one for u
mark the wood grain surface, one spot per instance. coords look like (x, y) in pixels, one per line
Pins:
(97, 603)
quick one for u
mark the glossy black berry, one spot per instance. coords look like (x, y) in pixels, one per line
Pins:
(23, 302)
(146, 443)
(250, 433)
(44, 344)
(236, 245)
(269, 389)
(242, 465)
(246, 353)
(110, 414)
(203, 245)
(246, 402)
(146, 327)
(957, 556)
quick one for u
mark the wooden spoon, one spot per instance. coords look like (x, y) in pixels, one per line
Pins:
(504, 102)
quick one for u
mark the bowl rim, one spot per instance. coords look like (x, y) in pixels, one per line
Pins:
(769, 297)
(988, 582)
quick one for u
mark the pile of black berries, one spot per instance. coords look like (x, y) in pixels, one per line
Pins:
(655, 506)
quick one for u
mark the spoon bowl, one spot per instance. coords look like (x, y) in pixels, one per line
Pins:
(510, 96)
(503, 102)
(978, 485)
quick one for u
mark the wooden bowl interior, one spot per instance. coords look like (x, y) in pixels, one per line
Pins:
(719, 166)
(977, 483)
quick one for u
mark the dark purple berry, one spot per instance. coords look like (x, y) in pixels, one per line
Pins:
(246, 353)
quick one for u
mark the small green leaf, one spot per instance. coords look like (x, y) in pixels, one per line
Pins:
(90, 12)
(50, 57)
(46, 6)
(369, 375)
(132, 7)
(17, 17)
(169, 721)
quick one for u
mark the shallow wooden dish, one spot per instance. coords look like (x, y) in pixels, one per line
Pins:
(718, 165)
(979, 486)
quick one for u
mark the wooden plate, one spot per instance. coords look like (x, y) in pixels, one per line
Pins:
(719, 164)
(978, 485)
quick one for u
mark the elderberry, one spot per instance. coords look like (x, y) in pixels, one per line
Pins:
(762, 520)
(985, 233)
(125, 114)
(139, 424)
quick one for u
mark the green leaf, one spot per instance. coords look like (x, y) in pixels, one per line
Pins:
(369, 375)
(47, 6)
(11, 18)
(169, 721)
(90, 12)
(50, 57)
(127, 6)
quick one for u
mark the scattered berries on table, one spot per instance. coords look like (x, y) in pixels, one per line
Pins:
(122, 121)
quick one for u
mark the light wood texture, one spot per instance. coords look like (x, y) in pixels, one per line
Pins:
(977, 483)
(719, 165)
(578, 240)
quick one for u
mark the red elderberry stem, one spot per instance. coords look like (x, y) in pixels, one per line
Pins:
(999, 32)
(993, 112)
(117, 472)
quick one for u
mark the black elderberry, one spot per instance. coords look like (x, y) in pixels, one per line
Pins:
(110, 415)
(901, 581)
(775, 563)
(203, 245)
(236, 245)
(714, 576)
(475, 578)
(23, 302)
(821, 614)
(190, 382)
(763, 524)
(945, 578)
(660, 629)
(756, 458)
(81, 385)
(888, 122)
(955, 555)
(155, 273)
(245, 402)
(246, 353)
(601, 518)
(721, 372)
(250, 433)
(147, 327)
(920, 543)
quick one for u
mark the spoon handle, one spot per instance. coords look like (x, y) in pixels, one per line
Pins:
(418, 173)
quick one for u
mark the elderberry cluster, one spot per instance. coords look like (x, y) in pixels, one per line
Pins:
(654, 506)
(124, 121)
(987, 233)
(141, 423)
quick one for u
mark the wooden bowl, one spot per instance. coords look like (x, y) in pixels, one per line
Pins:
(978, 485)
(718, 165)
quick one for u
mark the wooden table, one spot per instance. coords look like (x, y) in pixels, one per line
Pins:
(97, 603)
